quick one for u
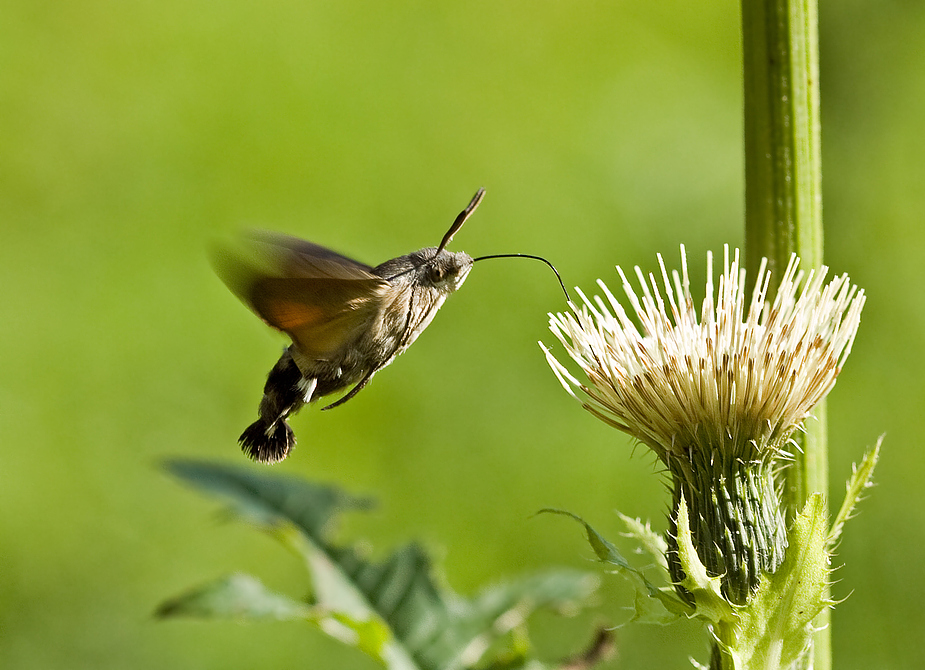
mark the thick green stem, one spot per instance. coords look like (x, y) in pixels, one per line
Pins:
(783, 197)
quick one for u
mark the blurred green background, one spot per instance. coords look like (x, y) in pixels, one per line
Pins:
(133, 134)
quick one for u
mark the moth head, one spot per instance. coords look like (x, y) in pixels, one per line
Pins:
(447, 270)
(443, 271)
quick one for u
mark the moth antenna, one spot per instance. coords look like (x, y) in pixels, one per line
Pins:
(568, 298)
(461, 219)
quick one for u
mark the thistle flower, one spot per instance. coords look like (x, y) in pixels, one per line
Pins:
(717, 398)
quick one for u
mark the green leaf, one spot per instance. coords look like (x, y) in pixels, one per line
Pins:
(709, 603)
(243, 597)
(775, 626)
(652, 604)
(235, 597)
(860, 481)
(268, 500)
(393, 610)
(653, 543)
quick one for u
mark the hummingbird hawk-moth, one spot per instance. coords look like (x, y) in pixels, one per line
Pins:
(346, 320)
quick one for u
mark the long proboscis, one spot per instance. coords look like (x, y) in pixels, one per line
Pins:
(536, 258)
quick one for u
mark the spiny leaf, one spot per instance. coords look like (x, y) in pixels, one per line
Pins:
(393, 609)
(775, 627)
(860, 481)
(604, 549)
(709, 603)
(652, 604)
(653, 543)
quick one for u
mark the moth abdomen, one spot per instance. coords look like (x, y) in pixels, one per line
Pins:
(267, 443)
(270, 439)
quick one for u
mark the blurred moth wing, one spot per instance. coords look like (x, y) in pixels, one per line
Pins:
(321, 299)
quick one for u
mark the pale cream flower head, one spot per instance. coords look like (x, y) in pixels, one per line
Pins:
(736, 381)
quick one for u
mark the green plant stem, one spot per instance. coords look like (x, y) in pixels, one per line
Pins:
(783, 197)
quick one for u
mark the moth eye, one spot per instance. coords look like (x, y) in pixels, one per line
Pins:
(437, 274)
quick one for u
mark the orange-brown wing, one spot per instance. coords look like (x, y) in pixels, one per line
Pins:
(321, 299)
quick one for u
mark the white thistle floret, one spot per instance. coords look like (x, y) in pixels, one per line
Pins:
(735, 380)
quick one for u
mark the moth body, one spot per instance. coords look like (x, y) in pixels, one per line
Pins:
(346, 320)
